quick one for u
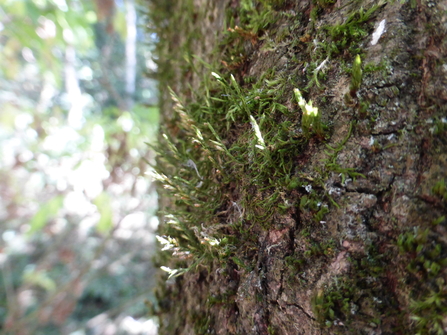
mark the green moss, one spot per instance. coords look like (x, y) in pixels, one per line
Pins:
(354, 29)
(245, 23)
(271, 330)
(333, 304)
(324, 3)
(372, 68)
(430, 310)
(340, 305)
(313, 203)
(294, 264)
(333, 44)
(440, 190)
(331, 162)
(429, 298)
(201, 323)
(425, 252)
(314, 13)
(261, 157)
(320, 249)
(227, 298)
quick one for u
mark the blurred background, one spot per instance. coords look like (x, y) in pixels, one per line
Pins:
(77, 109)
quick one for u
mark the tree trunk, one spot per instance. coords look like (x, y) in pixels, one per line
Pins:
(131, 52)
(288, 216)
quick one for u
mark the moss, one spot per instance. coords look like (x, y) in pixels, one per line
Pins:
(331, 162)
(202, 324)
(294, 263)
(261, 156)
(428, 262)
(355, 301)
(440, 190)
(224, 299)
(425, 252)
(324, 3)
(332, 306)
(271, 330)
(353, 30)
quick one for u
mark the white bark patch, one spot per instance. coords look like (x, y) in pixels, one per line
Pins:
(378, 32)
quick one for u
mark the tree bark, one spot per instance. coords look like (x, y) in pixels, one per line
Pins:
(355, 241)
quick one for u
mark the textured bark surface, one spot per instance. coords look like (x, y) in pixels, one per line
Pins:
(363, 267)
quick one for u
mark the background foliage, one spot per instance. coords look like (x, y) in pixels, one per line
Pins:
(76, 211)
